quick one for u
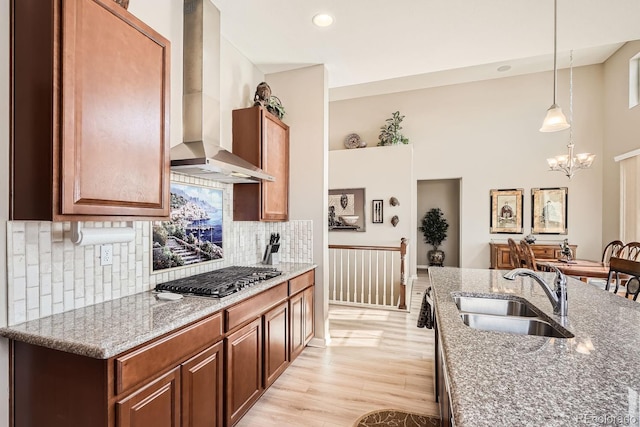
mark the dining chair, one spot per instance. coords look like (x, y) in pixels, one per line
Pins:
(515, 255)
(613, 249)
(631, 275)
(631, 251)
(529, 259)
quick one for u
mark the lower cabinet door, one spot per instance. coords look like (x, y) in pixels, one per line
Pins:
(308, 314)
(296, 307)
(243, 356)
(276, 343)
(202, 389)
(156, 404)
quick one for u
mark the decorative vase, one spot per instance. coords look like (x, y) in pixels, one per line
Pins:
(436, 257)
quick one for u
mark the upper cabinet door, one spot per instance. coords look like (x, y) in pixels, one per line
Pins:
(263, 140)
(107, 134)
(275, 161)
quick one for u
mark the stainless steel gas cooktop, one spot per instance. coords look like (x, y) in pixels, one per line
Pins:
(219, 283)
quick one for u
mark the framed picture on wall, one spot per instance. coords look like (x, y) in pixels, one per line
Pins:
(376, 212)
(549, 210)
(346, 209)
(506, 210)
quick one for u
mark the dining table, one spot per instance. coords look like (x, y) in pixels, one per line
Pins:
(582, 268)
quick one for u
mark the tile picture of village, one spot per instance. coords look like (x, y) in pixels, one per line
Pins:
(194, 233)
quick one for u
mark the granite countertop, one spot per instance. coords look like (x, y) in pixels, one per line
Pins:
(106, 329)
(500, 379)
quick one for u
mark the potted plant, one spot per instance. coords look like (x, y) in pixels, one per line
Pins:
(434, 227)
(390, 133)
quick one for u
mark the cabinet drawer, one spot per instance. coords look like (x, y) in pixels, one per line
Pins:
(254, 306)
(144, 363)
(545, 252)
(301, 282)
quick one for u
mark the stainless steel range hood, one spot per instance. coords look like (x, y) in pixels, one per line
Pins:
(200, 153)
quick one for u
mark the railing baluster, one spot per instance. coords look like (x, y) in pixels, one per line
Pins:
(341, 277)
(334, 274)
(377, 277)
(369, 294)
(392, 301)
(362, 277)
(348, 276)
(384, 279)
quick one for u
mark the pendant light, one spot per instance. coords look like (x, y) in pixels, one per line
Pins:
(555, 119)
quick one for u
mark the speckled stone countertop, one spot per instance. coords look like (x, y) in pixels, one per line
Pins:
(110, 328)
(502, 379)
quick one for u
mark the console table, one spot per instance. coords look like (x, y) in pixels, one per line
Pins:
(542, 251)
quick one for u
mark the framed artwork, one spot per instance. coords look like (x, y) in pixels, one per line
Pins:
(346, 209)
(506, 211)
(194, 232)
(376, 211)
(549, 210)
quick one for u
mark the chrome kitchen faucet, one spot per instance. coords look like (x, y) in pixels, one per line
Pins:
(557, 296)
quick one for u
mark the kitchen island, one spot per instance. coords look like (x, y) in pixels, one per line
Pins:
(505, 379)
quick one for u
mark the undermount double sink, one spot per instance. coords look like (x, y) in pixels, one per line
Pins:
(506, 315)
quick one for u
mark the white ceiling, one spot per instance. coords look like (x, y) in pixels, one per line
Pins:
(381, 46)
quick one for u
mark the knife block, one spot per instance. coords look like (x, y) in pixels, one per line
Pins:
(273, 259)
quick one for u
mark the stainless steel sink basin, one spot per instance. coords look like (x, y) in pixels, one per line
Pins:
(498, 307)
(513, 324)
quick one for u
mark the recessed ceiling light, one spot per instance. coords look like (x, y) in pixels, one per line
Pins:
(503, 68)
(322, 20)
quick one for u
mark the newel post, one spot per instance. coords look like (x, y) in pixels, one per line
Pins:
(403, 274)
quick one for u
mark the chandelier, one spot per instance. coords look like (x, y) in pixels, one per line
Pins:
(570, 163)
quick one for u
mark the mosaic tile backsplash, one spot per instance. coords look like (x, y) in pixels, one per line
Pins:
(48, 274)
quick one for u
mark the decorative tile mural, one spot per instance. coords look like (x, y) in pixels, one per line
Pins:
(194, 232)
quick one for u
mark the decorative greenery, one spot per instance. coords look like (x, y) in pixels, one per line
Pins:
(434, 227)
(390, 133)
(274, 106)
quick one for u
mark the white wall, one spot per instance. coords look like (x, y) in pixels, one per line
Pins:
(304, 95)
(383, 172)
(487, 134)
(621, 133)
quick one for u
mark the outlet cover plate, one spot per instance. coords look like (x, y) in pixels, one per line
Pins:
(106, 255)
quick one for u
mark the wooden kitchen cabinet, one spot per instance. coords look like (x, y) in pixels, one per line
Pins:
(90, 113)
(262, 139)
(302, 312)
(175, 380)
(276, 343)
(244, 370)
(202, 389)
(500, 253)
(157, 404)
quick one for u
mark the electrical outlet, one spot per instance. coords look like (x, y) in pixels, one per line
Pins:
(106, 254)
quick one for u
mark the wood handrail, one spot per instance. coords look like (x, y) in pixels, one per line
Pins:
(367, 248)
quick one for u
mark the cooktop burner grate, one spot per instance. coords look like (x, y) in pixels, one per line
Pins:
(220, 283)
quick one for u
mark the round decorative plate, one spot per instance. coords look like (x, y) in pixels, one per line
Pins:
(352, 140)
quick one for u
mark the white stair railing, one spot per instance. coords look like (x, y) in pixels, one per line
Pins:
(368, 275)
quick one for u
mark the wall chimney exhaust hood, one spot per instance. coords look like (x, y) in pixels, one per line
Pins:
(200, 153)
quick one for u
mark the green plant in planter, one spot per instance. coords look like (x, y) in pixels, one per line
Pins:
(274, 106)
(390, 133)
(434, 228)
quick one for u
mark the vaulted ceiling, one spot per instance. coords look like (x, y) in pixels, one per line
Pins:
(377, 46)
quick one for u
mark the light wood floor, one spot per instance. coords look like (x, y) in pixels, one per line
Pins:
(377, 359)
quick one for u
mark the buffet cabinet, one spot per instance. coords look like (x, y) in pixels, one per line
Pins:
(262, 139)
(542, 251)
(205, 374)
(90, 97)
